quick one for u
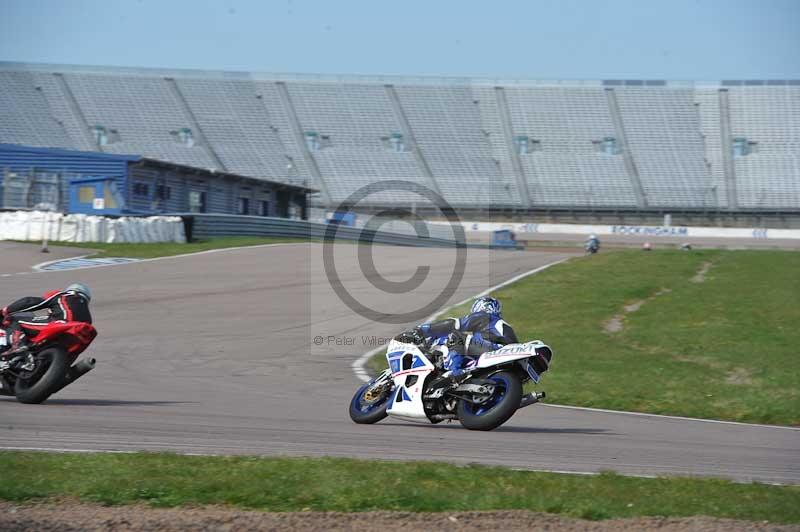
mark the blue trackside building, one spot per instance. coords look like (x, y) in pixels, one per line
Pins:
(115, 184)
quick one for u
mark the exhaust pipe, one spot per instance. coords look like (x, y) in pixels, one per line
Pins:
(531, 398)
(78, 370)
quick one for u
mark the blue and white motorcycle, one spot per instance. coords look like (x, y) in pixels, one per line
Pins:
(485, 398)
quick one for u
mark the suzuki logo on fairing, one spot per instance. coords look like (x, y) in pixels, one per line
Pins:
(516, 349)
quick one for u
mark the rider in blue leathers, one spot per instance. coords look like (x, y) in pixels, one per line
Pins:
(480, 331)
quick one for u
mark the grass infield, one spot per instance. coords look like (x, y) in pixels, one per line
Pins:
(347, 485)
(166, 249)
(709, 334)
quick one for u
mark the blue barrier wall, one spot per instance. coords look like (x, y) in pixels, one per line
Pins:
(45, 167)
(139, 185)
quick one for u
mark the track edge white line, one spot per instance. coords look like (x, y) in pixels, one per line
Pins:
(665, 416)
(510, 468)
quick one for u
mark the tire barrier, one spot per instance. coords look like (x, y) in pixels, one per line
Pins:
(58, 227)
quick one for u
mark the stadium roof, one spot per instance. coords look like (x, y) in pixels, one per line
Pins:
(382, 79)
(131, 158)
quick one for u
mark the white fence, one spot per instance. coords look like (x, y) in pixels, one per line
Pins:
(36, 225)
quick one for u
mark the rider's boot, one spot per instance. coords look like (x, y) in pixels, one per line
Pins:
(17, 341)
(4, 342)
(448, 378)
(9, 340)
(454, 371)
(454, 374)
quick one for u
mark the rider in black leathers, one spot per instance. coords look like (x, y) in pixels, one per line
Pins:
(69, 304)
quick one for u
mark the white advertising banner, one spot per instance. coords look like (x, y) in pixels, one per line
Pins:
(642, 230)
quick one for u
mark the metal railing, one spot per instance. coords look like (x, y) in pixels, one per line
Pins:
(199, 225)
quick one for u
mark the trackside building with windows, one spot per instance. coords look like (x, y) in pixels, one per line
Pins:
(115, 184)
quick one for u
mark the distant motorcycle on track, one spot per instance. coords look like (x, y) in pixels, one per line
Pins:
(592, 245)
(492, 392)
(46, 364)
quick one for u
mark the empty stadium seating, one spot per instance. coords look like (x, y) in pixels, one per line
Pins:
(447, 126)
(354, 122)
(768, 116)
(481, 144)
(567, 168)
(708, 108)
(237, 125)
(662, 127)
(25, 116)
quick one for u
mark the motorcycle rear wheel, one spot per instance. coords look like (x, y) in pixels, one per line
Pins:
(498, 409)
(53, 372)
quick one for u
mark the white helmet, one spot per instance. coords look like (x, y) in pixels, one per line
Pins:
(81, 289)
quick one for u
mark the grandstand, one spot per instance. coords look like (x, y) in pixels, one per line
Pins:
(637, 148)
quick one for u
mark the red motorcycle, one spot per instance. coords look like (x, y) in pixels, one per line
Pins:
(46, 364)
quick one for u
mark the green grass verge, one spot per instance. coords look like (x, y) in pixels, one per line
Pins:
(346, 485)
(166, 249)
(724, 348)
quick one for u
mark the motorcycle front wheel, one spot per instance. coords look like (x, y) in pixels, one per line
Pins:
(366, 410)
(497, 409)
(50, 369)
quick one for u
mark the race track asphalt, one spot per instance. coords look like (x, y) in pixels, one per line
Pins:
(215, 353)
(18, 257)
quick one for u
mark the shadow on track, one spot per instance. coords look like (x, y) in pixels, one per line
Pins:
(520, 430)
(542, 430)
(112, 402)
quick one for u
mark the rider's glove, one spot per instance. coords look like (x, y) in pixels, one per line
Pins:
(413, 336)
(419, 336)
(455, 340)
